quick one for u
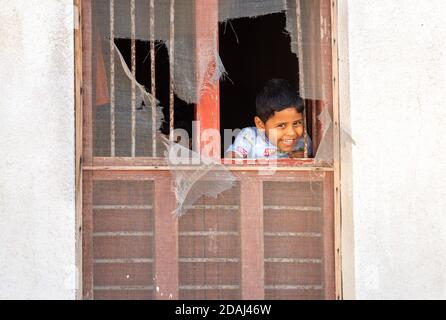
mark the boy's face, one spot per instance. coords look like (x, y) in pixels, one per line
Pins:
(283, 129)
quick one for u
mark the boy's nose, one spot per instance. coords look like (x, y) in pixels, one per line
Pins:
(291, 133)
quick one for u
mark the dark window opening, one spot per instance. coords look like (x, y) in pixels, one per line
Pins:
(184, 112)
(253, 51)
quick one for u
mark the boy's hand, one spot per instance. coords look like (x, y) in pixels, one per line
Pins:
(296, 154)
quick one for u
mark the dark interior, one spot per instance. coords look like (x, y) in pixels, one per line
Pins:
(253, 50)
(184, 112)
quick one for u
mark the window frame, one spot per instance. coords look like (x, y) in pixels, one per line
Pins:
(89, 167)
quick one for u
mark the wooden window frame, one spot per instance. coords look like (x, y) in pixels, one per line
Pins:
(89, 168)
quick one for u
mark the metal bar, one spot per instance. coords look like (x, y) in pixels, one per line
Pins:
(153, 74)
(171, 71)
(133, 67)
(301, 72)
(112, 79)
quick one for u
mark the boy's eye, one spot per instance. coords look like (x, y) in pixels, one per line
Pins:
(298, 123)
(281, 126)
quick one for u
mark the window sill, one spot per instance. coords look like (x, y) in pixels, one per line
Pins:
(161, 164)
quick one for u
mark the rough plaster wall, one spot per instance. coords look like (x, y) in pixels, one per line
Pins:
(37, 217)
(397, 72)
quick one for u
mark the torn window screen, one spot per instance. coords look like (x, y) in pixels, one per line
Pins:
(220, 209)
(113, 19)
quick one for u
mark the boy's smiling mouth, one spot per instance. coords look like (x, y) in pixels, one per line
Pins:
(287, 144)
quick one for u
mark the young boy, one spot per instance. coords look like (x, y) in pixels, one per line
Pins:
(279, 130)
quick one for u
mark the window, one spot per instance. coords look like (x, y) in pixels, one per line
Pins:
(245, 231)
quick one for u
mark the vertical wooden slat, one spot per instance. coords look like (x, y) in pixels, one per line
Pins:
(325, 14)
(326, 61)
(87, 149)
(251, 237)
(315, 65)
(314, 130)
(78, 114)
(87, 235)
(133, 66)
(208, 89)
(87, 88)
(326, 54)
(336, 150)
(301, 74)
(172, 70)
(328, 238)
(166, 241)
(112, 78)
(153, 73)
(101, 92)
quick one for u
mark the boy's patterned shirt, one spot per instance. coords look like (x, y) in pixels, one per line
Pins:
(253, 144)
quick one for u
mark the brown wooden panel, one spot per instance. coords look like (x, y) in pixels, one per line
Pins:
(123, 294)
(293, 193)
(293, 247)
(121, 247)
(328, 240)
(293, 273)
(210, 219)
(210, 294)
(123, 193)
(252, 249)
(293, 294)
(166, 241)
(292, 221)
(122, 220)
(87, 236)
(210, 273)
(229, 197)
(87, 82)
(216, 246)
(123, 274)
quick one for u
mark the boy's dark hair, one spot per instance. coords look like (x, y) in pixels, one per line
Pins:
(277, 95)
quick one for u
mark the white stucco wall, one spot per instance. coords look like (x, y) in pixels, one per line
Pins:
(392, 78)
(37, 251)
(393, 93)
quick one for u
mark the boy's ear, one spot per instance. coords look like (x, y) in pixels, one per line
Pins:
(259, 123)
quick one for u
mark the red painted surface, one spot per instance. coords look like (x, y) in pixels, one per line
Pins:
(208, 92)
